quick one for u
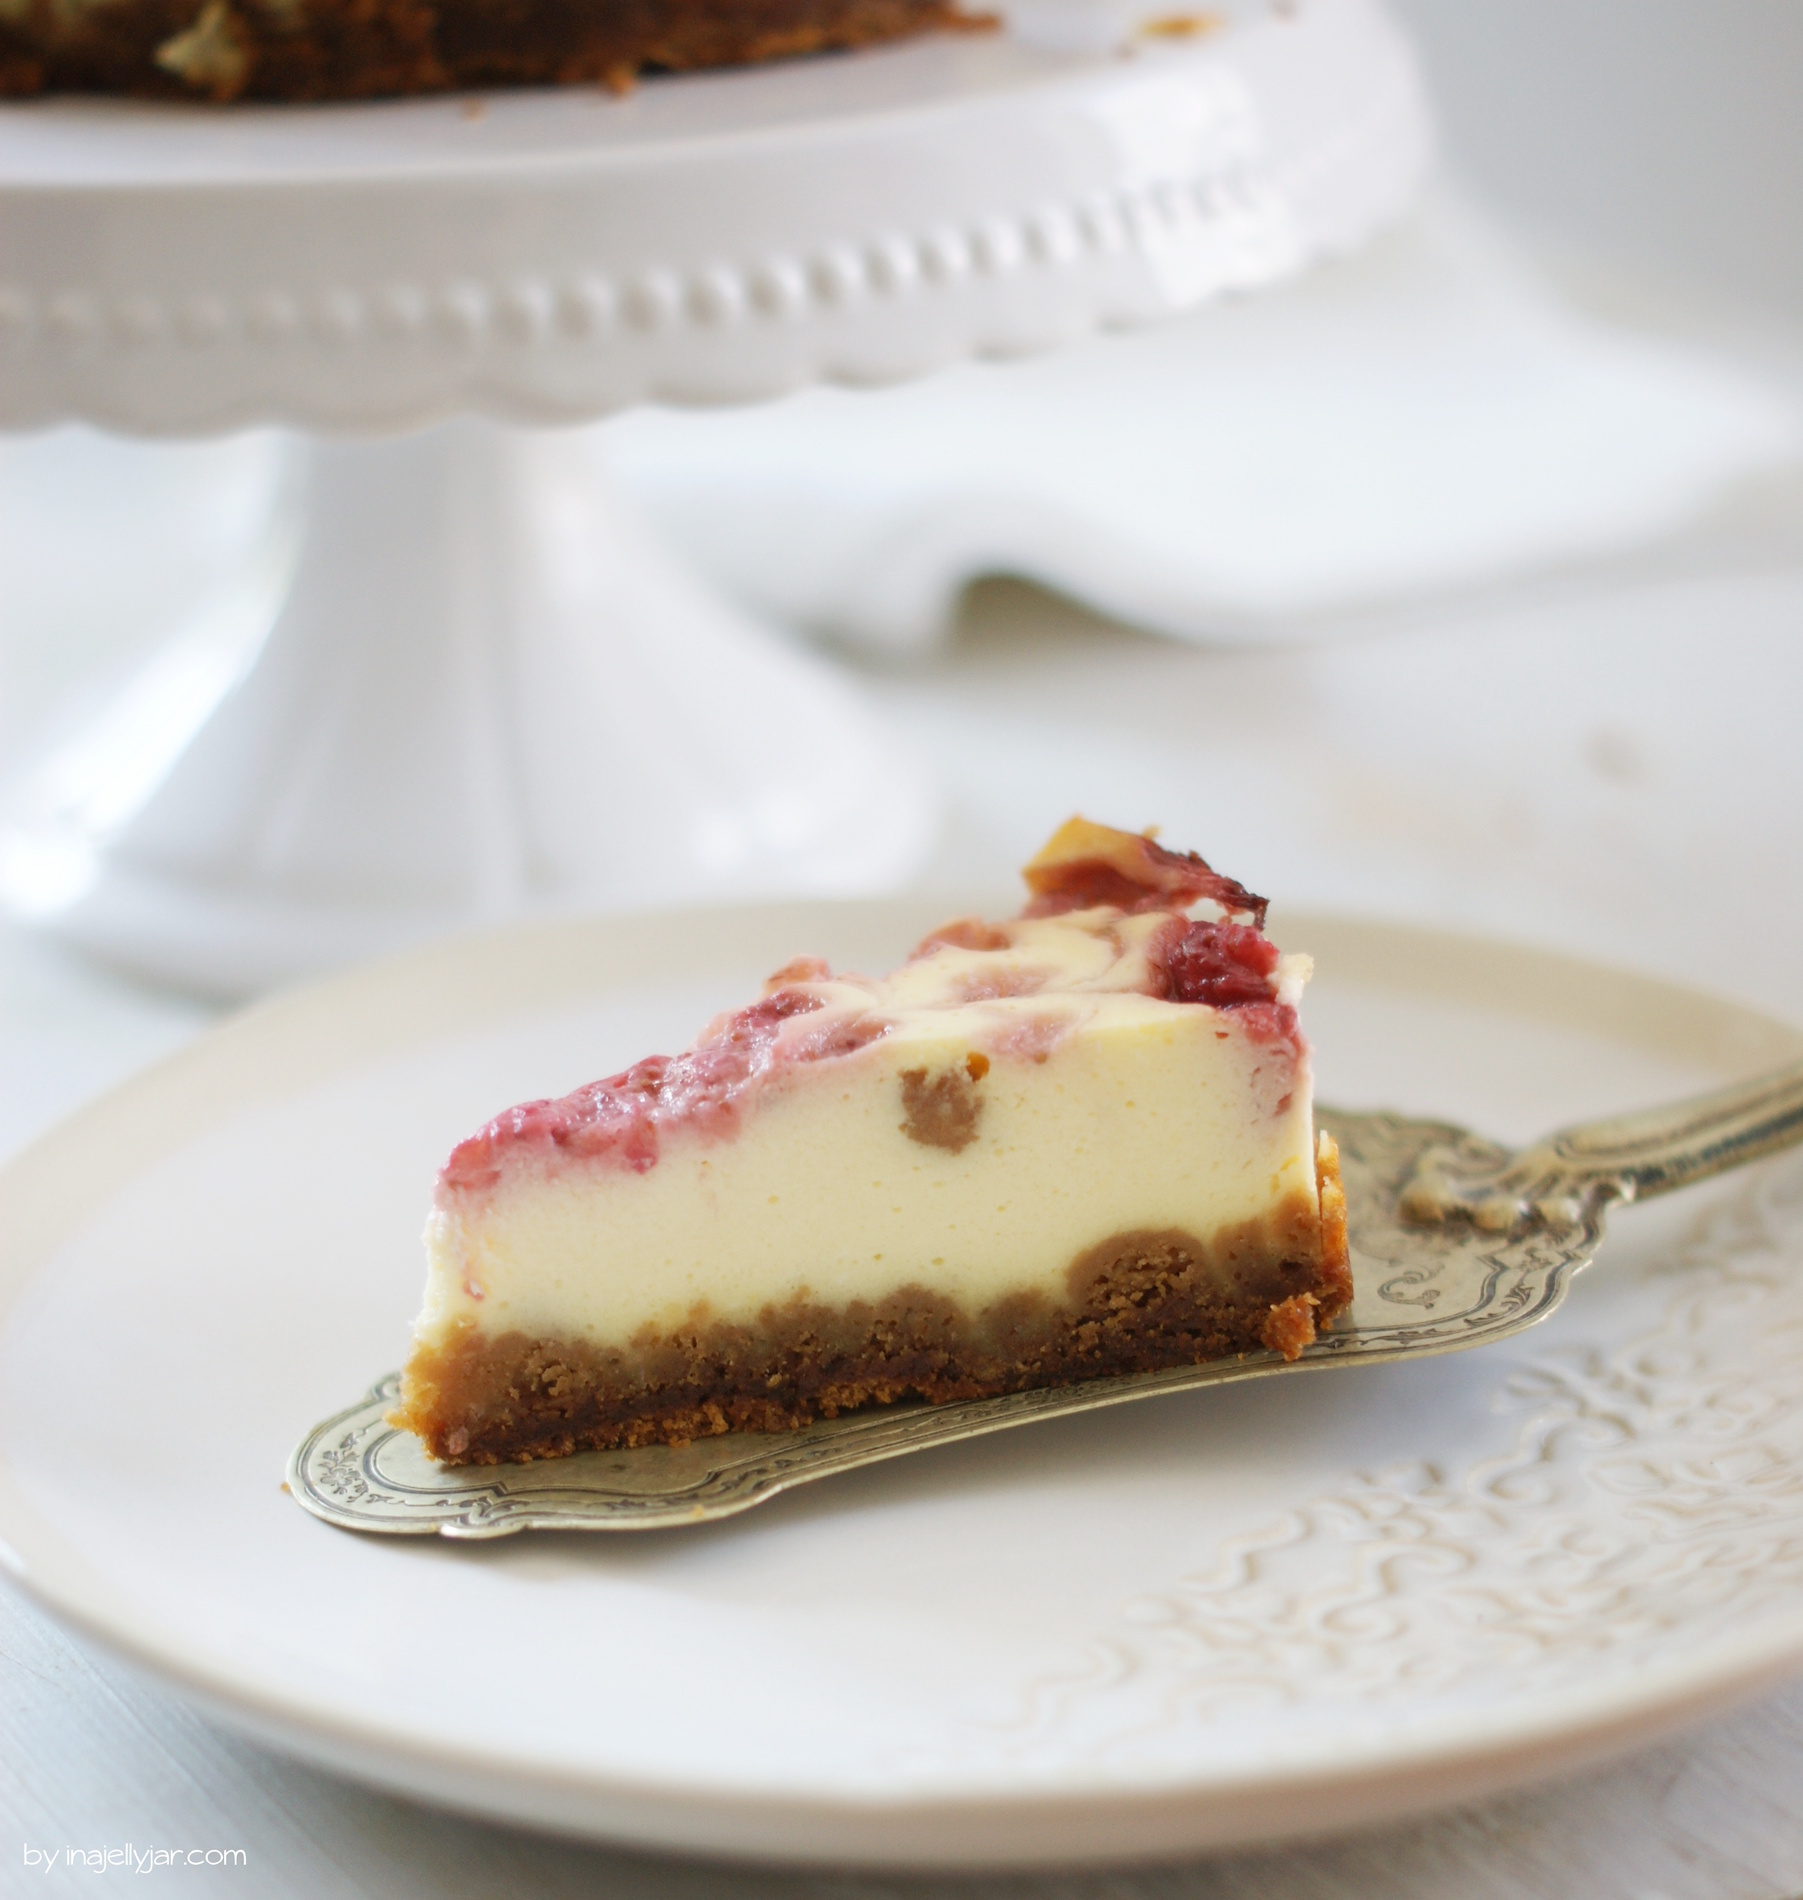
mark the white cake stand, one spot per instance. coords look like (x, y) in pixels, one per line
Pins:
(474, 690)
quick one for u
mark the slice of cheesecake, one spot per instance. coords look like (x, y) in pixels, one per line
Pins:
(1073, 1144)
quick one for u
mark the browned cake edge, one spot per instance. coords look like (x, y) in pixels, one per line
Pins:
(221, 50)
(1138, 1303)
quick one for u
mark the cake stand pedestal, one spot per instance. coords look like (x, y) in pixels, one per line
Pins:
(472, 688)
(479, 691)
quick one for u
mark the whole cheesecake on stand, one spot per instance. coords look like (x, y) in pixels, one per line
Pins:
(460, 660)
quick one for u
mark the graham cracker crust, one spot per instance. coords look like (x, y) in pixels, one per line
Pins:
(221, 50)
(1140, 1302)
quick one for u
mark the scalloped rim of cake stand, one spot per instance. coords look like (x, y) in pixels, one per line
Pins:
(553, 256)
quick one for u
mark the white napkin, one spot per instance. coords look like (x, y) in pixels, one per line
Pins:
(1427, 415)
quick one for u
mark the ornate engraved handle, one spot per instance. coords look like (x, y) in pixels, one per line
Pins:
(1567, 1178)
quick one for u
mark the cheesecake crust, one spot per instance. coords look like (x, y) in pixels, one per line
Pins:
(1139, 1302)
(221, 50)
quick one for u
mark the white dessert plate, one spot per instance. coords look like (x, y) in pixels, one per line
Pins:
(1208, 1618)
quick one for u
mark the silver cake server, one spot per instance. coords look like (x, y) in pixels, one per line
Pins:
(1455, 1242)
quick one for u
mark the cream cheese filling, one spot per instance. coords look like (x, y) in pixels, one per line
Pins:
(1141, 1115)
